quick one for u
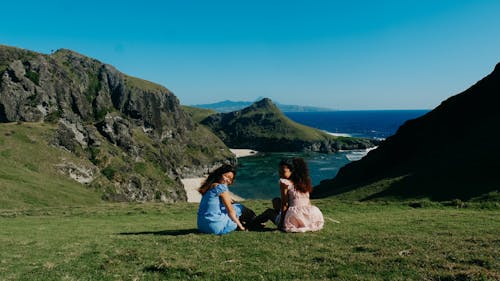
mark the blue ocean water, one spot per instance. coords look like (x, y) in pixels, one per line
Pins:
(362, 123)
(257, 176)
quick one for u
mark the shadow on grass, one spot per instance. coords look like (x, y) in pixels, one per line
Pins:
(265, 229)
(176, 232)
(180, 232)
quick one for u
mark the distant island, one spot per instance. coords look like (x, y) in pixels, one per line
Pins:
(229, 106)
(263, 126)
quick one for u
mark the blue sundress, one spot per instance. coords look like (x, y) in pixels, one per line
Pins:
(212, 214)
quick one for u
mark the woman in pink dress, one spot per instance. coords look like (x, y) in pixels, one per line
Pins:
(297, 213)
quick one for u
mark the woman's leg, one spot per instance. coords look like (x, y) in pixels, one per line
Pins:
(269, 214)
(247, 215)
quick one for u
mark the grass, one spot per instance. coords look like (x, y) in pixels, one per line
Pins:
(198, 114)
(139, 83)
(32, 169)
(374, 241)
(28, 169)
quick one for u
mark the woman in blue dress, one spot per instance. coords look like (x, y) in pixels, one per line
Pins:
(217, 214)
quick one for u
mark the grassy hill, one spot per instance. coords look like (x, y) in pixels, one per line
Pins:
(35, 172)
(29, 176)
(198, 114)
(131, 131)
(262, 126)
(452, 152)
(160, 242)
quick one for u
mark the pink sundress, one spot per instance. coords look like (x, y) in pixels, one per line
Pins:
(301, 216)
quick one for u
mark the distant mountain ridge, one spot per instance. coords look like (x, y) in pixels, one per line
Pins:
(228, 106)
(262, 126)
(452, 152)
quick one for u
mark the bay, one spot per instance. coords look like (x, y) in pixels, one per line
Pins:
(257, 176)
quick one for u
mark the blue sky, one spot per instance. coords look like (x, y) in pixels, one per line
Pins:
(337, 54)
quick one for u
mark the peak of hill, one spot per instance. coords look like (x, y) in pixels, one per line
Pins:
(262, 126)
(264, 104)
(133, 132)
(449, 153)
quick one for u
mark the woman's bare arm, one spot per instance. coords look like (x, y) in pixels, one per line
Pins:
(226, 199)
(284, 202)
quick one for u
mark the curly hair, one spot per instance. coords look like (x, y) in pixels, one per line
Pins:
(215, 176)
(300, 175)
(287, 162)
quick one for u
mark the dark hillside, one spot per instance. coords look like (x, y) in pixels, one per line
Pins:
(451, 152)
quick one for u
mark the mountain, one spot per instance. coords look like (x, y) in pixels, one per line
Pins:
(224, 106)
(263, 127)
(228, 106)
(132, 138)
(452, 152)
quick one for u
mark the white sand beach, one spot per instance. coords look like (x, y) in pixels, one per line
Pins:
(243, 152)
(191, 185)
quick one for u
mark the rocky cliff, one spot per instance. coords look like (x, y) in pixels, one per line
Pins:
(450, 153)
(263, 127)
(133, 132)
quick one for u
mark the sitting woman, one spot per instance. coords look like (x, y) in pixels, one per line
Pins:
(217, 213)
(297, 213)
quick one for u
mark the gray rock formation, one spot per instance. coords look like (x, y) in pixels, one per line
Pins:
(133, 130)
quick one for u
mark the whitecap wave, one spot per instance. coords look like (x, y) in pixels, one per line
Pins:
(338, 134)
(328, 169)
(356, 155)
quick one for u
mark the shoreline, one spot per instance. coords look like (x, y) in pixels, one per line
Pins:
(191, 185)
(239, 152)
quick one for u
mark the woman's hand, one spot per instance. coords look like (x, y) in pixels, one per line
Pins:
(226, 199)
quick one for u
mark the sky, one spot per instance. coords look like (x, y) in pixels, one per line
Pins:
(346, 55)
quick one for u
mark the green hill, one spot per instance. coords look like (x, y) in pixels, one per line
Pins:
(262, 126)
(132, 131)
(198, 114)
(452, 152)
(34, 174)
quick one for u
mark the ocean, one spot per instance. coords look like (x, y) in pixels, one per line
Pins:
(257, 176)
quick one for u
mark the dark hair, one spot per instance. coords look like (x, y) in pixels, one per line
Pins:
(215, 176)
(300, 175)
(288, 162)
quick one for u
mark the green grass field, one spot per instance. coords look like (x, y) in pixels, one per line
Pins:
(373, 241)
(28, 169)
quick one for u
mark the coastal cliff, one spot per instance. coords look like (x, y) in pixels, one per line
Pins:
(263, 127)
(135, 136)
(449, 153)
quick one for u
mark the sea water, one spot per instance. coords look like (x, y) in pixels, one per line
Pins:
(257, 176)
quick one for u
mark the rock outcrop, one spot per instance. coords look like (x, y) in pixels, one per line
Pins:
(449, 153)
(118, 122)
(263, 127)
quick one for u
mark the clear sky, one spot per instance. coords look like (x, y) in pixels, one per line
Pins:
(401, 54)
